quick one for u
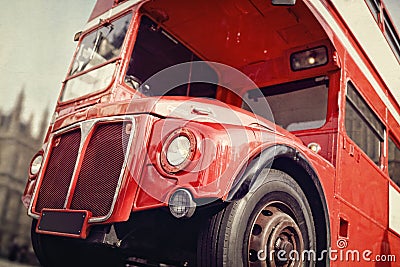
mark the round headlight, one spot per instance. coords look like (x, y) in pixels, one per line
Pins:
(178, 150)
(36, 164)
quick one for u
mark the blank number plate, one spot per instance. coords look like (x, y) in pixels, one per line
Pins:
(63, 222)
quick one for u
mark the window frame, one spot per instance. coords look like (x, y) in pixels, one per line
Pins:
(290, 87)
(195, 57)
(375, 8)
(382, 137)
(385, 23)
(390, 33)
(113, 60)
(392, 139)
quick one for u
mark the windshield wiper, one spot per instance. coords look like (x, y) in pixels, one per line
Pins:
(96, 44)
(99, 36)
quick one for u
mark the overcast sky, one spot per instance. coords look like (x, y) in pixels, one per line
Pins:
(37, 45)
(36, 48)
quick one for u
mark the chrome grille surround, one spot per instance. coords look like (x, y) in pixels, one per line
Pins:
(86, 127)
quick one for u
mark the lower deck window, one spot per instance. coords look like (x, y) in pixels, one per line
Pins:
(295, 106)
(394, 162)
(362, 125)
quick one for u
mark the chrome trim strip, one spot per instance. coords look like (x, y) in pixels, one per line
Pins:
(128, 148)
(46, 154)
(85, 128)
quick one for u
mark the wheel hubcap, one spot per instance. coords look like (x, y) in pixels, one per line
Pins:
(275, 240)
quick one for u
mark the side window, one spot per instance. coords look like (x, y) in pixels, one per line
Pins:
(296, 106)
(385, 23)
(391, 35)
(374, 6)
(394, 162)
(362, 125)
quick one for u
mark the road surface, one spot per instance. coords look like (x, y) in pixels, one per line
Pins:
(6, 263)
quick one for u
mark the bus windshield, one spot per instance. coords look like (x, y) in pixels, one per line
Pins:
(96, 48)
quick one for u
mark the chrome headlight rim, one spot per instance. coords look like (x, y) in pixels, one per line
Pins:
(36, 164)
(166, 163)
(186, 208)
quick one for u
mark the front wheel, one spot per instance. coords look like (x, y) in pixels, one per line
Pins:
(271, 226)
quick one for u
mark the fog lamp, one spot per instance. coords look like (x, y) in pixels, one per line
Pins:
(181, 204)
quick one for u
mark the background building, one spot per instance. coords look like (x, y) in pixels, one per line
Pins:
(17, 146)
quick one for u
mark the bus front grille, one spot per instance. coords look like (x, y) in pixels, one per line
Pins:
(85, 176)
(101, 168)
(60, 168)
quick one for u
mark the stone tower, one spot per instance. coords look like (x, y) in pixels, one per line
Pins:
(17, 146)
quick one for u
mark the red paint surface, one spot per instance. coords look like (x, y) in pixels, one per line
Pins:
(354, 187)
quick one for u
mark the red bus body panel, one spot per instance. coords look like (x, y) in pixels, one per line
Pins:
(355, 189)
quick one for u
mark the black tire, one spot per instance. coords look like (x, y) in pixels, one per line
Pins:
(276, 208)
(54, 251)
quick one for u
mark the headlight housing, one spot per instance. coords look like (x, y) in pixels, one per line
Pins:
(178, 150)
(36, 164)
(310, 58)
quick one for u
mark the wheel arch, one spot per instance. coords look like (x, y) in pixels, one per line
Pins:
(291, 161)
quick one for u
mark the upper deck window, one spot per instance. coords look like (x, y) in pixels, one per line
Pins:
(380, 12)
(295, 106)
(391, 35)
(375, 7)
(394, 162)
(156, 50)
(362, 125)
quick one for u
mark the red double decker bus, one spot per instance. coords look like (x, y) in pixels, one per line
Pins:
(224, 133)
